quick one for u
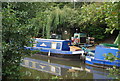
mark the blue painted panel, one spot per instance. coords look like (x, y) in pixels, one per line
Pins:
(106, 62)
(98, 61)
(44, 50)
(44, 44)
(101, 50)
(47, 43)
(112, 63)
(65, 46)
(60, 52)
(88, 62)
(51, 50)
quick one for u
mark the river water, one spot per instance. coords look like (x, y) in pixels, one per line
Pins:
(44, 67)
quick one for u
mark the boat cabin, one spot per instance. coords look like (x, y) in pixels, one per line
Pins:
(103, 49)
(53, 44)
(98, 58)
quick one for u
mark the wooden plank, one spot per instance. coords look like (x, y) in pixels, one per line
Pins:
(74, 48)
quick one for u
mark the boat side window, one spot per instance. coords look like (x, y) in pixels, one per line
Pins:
(53, 46)
(58, 45)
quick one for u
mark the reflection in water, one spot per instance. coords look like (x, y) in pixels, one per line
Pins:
(46, 67)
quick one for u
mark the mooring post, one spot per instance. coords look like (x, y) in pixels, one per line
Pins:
(82, 57)
(49, 53)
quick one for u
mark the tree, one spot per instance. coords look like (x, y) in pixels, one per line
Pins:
(102, 15)
(51, 19)
(15, 35)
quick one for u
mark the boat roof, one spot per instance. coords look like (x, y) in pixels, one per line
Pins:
(39, 39)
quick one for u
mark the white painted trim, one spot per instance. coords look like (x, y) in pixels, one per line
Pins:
(77, 52)
(76, 68)
(61, 45)
(88, 59)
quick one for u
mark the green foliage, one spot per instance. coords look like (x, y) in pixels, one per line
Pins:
(15, 36)
(55, 77)
(95, 31)
(115, 71)
(111, 13)
(100, 13)
(21, 21)
(111, 57)
(102, 16)
(52, 18)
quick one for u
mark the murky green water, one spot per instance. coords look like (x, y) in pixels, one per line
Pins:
(43, 67)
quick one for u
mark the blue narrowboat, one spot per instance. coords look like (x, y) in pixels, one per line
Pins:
(97, 57)
(53, 47)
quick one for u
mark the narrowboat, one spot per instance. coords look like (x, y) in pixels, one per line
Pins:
(54, 47)
(81, 39)
(97, 57)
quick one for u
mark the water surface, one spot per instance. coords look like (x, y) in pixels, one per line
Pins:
(44, 67)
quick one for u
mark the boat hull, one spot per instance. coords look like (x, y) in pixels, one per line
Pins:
(66, 56)
(100, 63)
(97, 58)
(58, 53)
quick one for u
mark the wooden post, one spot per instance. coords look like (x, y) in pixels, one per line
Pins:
(49, 53)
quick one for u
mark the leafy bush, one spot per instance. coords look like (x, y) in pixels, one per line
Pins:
(15, 35)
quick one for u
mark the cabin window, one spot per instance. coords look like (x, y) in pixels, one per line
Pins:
(53, 45)
(58, 45)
